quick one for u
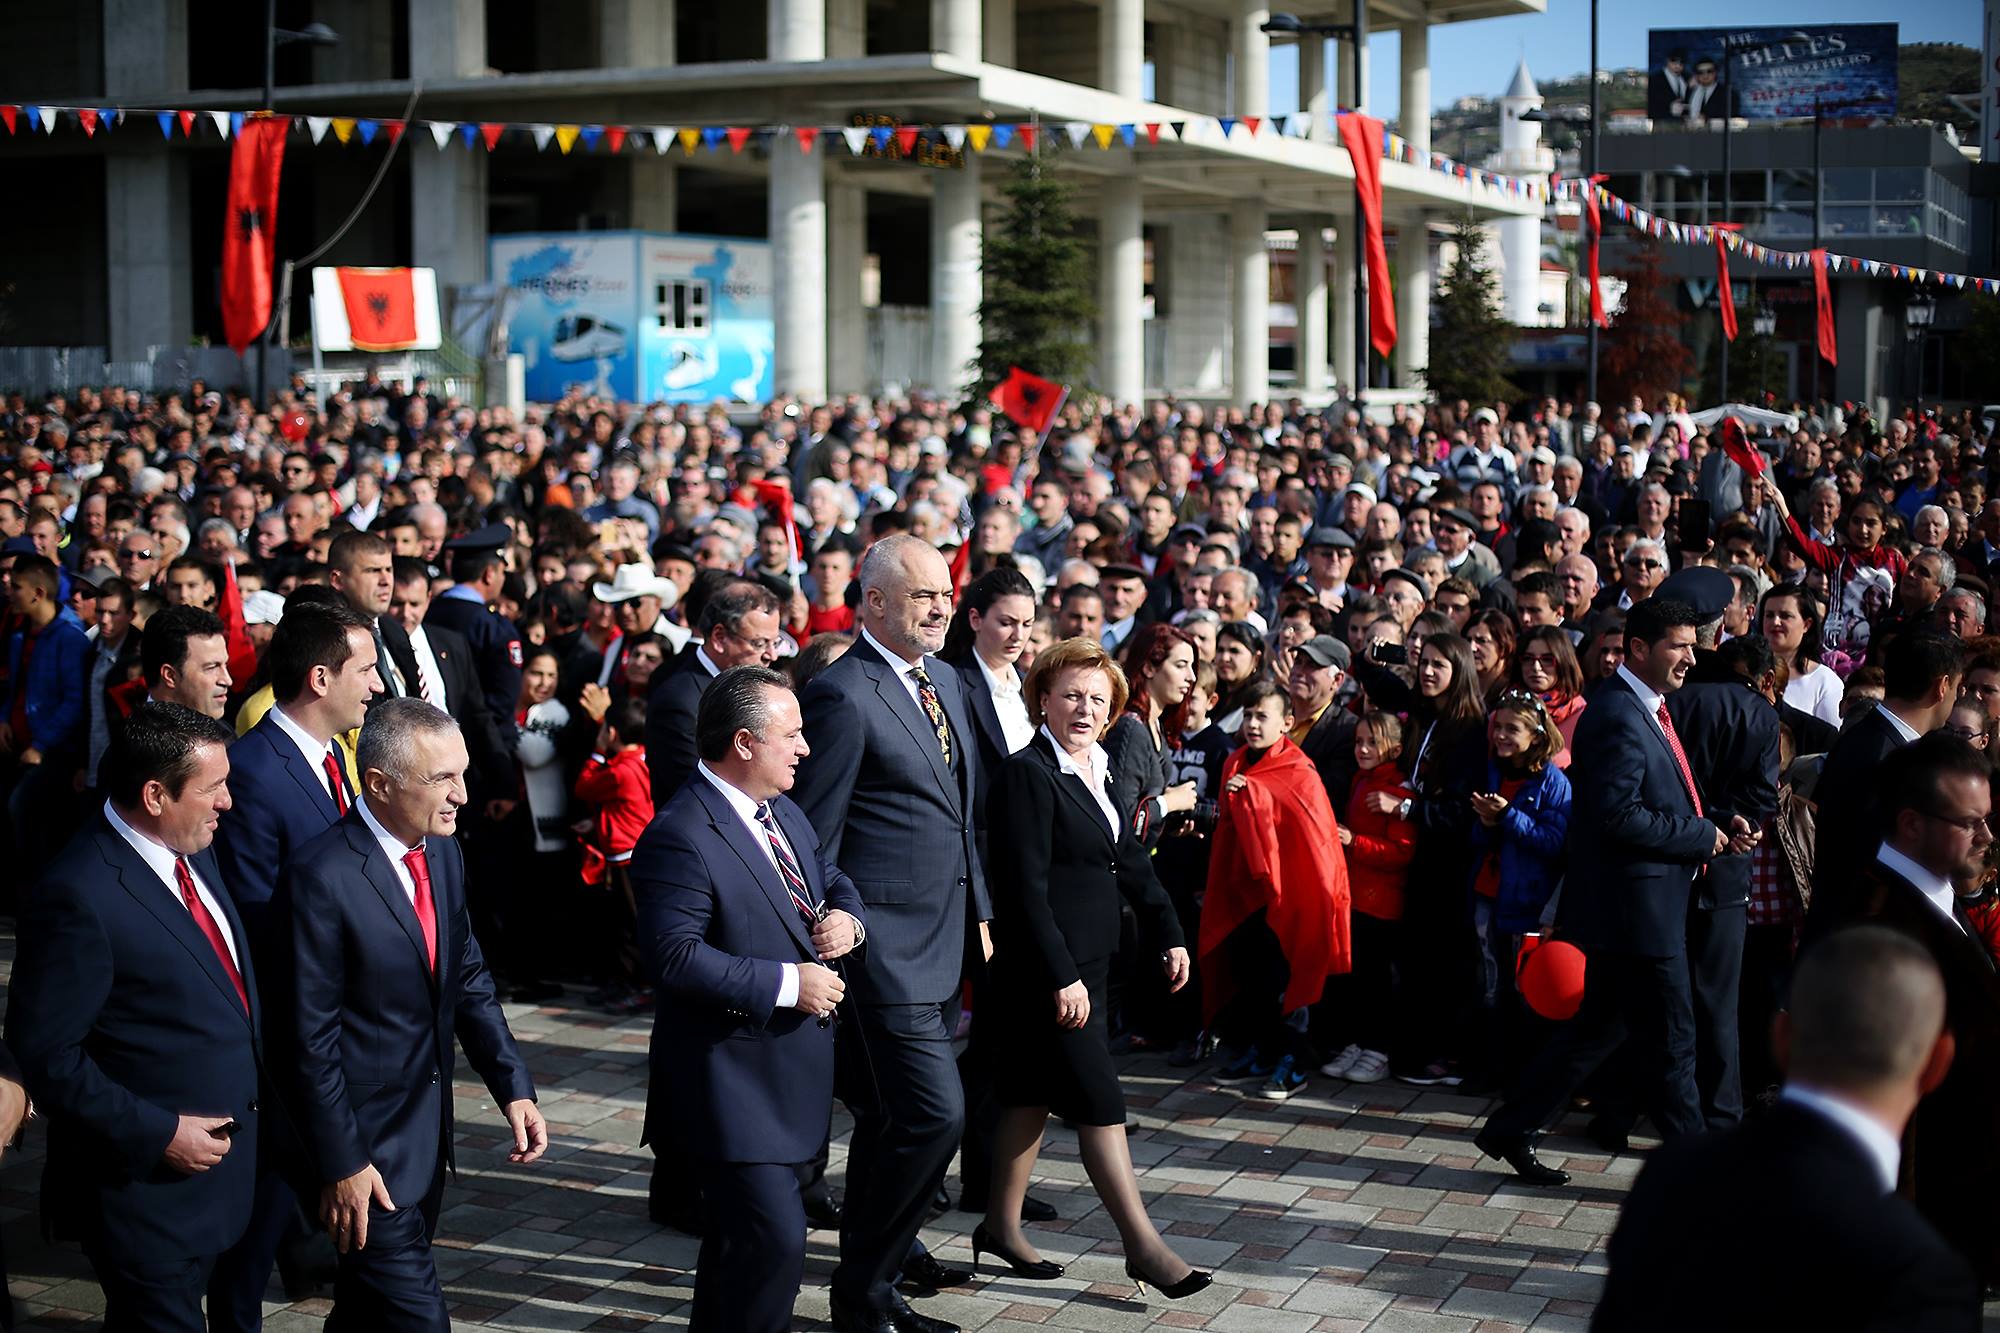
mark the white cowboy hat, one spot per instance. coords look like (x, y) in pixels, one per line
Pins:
(636, 581)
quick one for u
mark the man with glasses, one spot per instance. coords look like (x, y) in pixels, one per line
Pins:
(1465, 557)
(138, 561)
(1939, 805)
(1643, 568)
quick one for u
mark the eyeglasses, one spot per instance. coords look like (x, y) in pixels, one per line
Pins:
(1543, 660)
(1967, 734)
(1974, 825)
(1644, 564)
(135, 555)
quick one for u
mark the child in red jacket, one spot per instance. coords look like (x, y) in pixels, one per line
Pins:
(617, 783)
(1379, 849)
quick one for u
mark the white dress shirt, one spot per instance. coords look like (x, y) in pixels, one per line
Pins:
(746, 813)
(1936, 888)
(159, 859)
(314, 751)
(1902, 728)
(427, 668)
(707, 662)
(1650, 699)
(1884, 1150)
(1005, 686)
(395, 849)
(1096, 775)
(902, 666)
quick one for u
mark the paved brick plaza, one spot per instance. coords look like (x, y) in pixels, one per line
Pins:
(1345, 1208)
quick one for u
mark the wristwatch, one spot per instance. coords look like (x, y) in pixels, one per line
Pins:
(1403, 810)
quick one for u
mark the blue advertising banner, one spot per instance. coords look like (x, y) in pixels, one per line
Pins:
(1777, 73)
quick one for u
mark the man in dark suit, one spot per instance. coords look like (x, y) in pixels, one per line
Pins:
(739, 914)
(437, 664)
(1938, 801)
(1804, 1194)
(360, 567)
(1921, 673)
(739, 626)
(479, 570)
(1325, 728)
(1638, 833)
(134, 1015)
(386, 972)
(287, 783)
(890, 787)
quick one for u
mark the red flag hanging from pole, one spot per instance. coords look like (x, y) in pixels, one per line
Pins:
(1029, 400)
(235, 630)
(1823, 304)
(1722, 292)
(1595, 222)
(249, 223)
(1362, 137)
(1741, 452)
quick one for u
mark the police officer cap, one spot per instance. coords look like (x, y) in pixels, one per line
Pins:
(1708, 591)
(492, 537)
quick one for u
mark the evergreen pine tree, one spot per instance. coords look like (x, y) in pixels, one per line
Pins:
(1469, 336)
(1645, 350)
(1037, 307)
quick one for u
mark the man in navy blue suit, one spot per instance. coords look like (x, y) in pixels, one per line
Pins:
(287, 784)
(386, 973)
(740, 915)
(133, 1013)
(1637, 838)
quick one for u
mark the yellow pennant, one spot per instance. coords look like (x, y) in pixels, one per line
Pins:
(1103, 133)
(689, 138)
(979, 135)
(343, 128)
(566, 136)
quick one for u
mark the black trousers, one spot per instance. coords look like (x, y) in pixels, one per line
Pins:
(1767, 972)
(153, 1297)
(392, 1285)
(753, 1252)
(1715, 957)
(244, 1270)
(1625, 997)
(899, 1080)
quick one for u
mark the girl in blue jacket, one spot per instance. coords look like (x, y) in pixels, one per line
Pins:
(1517, 839)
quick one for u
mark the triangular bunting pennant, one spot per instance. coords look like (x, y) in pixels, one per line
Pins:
(186, 119)
(1103, 133)
(711, 136)
(1078, 131)
(1228, 123)
(663, 138)
(8, 115)
(490, 132)
(393, 128)
(109, 117)
(1003, 135)
(738, 135)
(1153, 133)
(906, 139)
(166, 119)
(592, 135)
(979, 136)
(689, 138)
(468, 134)
(88, 120)
(614, 138)
(955, 136)
(367, 129)
(1251, 123)
(221, 119)
(343, 128)
(542, 133)
(880, 136)
(807, 135)
(1128, 134)
(566, 137)
(316, 126)
(235, 123)
(441, 133)
(857, 139)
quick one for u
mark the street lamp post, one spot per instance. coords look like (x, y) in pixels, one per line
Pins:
(1291, 25)
(1918, 315)
(313, 34)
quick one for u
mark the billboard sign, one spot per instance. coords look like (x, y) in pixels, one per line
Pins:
(577, 297)
(706, 319)
(1697, 75)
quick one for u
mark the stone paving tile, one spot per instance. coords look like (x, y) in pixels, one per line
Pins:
(1347, 1208)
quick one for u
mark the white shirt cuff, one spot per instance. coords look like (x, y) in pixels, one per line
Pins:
(788, 986)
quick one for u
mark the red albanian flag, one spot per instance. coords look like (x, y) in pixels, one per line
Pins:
(250, 223)
(1029, 400)
(1362, 137)
(1741, 452)
(381, 308)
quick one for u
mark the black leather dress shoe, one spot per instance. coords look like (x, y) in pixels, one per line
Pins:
(1032, 1209)
(1520, 1155)
(822, 1212)
(925, 1276)
(898, 1318)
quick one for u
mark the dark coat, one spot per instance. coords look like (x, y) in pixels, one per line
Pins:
(1730, 735)
(671, 711)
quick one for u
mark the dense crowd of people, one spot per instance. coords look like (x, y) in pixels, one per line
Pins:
(1274, 740)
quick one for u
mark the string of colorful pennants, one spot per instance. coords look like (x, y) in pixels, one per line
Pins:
(691, 139)
(1694, 233)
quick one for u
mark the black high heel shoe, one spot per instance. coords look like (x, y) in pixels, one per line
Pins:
(1196, 1280)
(1041, 1270)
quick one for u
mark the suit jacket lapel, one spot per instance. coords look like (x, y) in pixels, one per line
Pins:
(800, 834)
(911, 714)
(985, 712)
(1075, 788)
(309, 782)
(755, 860)
(387, 884)
(151, 892)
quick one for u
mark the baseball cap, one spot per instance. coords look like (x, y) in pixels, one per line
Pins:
(1326, 651)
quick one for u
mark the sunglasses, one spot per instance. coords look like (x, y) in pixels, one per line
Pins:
(135, 555)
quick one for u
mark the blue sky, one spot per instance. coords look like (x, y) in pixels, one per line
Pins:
(1479, 58)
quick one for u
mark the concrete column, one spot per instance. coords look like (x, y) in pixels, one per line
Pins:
(1313, 92)
(448, 41)
(145, 47)
(1413, 299)
(367, 46)
(846, 29)
(448, 215)
(955, 28)
(1249, 304)
(1341, 282)
(1415, 116)
(846, 257)
(636, 34)
(955, 287)
(1251, 51)
(1121, 290)
(798, 263)
(655, 192)
(1309, 286)
(998, 22)
(1121, 46)
(146, 260)
(797, 30)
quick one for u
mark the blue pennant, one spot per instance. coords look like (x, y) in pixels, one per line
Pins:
(1228, 124)
(235, 124)
(711, 135)
(469, 132)
(166, 119)
(366, 129)
(590, 134)
(1128, 134)
(881, 134)
(1003, 135)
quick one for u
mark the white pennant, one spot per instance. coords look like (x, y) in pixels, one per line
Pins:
(317, 126)
(542, 133)
(1297, 124)
(441, 131)
(857, 139)
(663, 138)
(1078, 131)
(955, 135)
(221, 119)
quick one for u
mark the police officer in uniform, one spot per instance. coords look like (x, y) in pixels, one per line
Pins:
(478, 569)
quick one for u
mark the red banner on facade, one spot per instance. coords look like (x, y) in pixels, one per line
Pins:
(1362, 137)
(249, 224)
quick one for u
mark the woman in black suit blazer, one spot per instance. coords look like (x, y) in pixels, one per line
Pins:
(1062, 861)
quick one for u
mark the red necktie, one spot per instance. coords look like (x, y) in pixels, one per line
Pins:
(420, 875)
(334, 780)
(1680, 757)
(184, 880)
